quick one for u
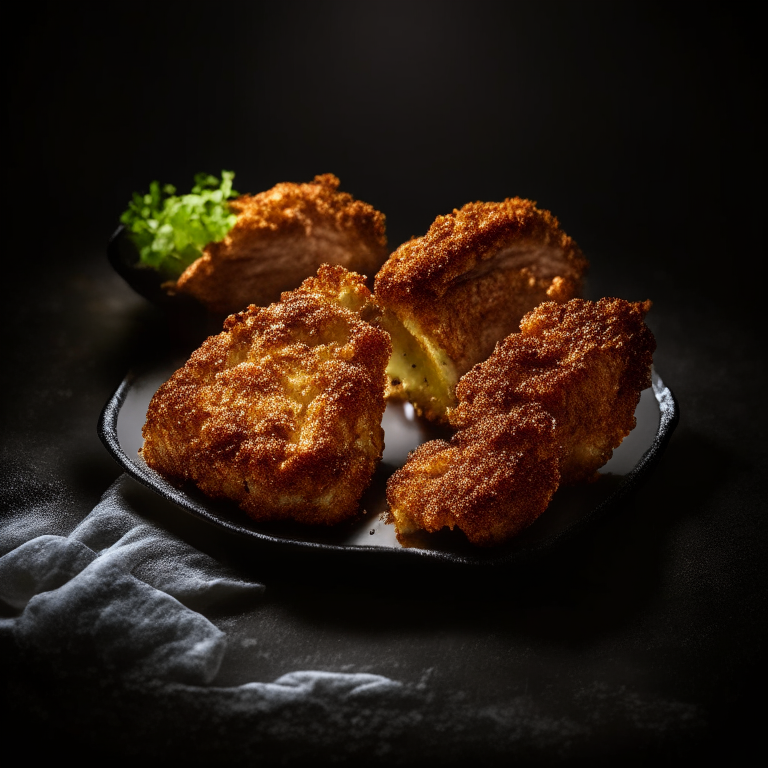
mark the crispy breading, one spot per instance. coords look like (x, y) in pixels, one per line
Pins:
(490, 481)
(584, 362)
(450, 295)
(281, 412)
(548, 406)
(281, 237)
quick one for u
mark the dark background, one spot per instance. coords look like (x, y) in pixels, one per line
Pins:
(639, 124)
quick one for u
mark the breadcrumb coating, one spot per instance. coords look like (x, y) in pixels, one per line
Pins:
(450, 295)
(491, 480)
(548, 407)
(281, 412)
(281, 237)
(584, 362)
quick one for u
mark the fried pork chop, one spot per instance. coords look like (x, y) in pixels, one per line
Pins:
(281, 412)
(281, 237)
(490, 481)
(451, 295)
(549, 406)
(584, 362)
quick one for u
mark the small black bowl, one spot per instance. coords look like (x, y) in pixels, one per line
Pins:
(147, 282)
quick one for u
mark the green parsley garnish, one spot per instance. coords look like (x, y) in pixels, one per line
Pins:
(171, 231)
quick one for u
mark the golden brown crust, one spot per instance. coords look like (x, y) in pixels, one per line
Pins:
(584, 362)
(477, 271)
(281, 237)
(281, 412)
(491, 481)
(342, 287)
(549, 405)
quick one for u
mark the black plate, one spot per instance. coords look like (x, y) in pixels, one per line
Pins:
(571, 510)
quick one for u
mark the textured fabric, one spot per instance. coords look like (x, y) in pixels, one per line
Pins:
(105, 634)
(121, 595)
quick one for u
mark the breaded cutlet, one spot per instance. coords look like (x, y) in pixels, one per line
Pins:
(281, 412)
(547, 407)
(450, 295)
(584, 362)
(281, 237)
(490, 481)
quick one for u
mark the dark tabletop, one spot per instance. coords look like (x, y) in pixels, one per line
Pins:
(640, 125)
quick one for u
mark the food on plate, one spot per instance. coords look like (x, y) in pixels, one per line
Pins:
(170, 231)
(228, 251)
(280, 237)
(491, 480)
(450, 295)
(547, 407)
(584, 362)
(281, 412)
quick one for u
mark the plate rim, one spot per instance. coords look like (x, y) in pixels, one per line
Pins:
(669, 416)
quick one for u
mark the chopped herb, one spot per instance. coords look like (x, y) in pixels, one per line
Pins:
(171, 231)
